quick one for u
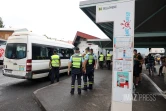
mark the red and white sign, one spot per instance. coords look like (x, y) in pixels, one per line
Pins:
(1, 52)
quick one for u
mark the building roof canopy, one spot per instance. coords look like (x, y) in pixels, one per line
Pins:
(149, 21)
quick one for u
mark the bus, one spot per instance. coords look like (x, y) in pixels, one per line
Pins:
(27, 55)
(2, 50)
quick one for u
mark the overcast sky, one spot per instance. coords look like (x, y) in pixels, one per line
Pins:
(55, 18)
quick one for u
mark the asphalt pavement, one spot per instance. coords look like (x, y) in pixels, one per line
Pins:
(149, 95)
(16, 94)
(57, 97)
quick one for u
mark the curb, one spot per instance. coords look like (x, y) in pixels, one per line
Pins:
(38, 102)
(36, 98)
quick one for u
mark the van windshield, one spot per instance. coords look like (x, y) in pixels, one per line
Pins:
(15, 50)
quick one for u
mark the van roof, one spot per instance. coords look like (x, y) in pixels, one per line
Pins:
(28, 33)
(24, 33)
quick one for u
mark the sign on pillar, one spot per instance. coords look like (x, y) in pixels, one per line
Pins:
(121, 13)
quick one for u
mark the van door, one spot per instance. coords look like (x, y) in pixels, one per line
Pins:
(15, 59)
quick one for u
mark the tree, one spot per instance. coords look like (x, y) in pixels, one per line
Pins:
(1, 23)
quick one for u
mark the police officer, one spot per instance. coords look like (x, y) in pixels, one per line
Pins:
(136, 70)
(88, 64)
(94, 64)
(84, 72)
(55, 64)
(76, 65)
(101, 60)
(108, 58)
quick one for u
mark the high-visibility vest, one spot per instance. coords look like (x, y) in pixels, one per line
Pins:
(90, 60)
(76, 61)
(55, 60)
(94, 56)
(108, 56)
(101, 57)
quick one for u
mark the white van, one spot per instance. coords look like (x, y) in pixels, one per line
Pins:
(27, 55)
(2, 50)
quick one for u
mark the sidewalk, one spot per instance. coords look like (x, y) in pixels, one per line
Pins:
(57, 97)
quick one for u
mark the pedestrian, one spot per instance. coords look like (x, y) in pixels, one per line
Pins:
(162, 64)
(88, 64)
(164, 72)
(140, 66)
(146, 62)
(76, 65)
(158, 60)
(151, 62)
(94, 64)
(108, 60)
(101, 60)
(55, 64)
(83, 55)
(136, 67)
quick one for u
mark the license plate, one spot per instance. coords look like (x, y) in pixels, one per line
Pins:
(21, 68)
(8, 71)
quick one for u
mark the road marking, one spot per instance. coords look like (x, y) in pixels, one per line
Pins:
(154, 84)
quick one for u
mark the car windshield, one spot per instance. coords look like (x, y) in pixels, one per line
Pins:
(15, 51)
(2, 42)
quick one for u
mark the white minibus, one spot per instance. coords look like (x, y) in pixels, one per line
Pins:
(27, 55)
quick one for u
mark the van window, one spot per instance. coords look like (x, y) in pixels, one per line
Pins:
(39, 52)
(71, 52)
(65, 53)
(16, 50)
(50, 51)
(44, 52)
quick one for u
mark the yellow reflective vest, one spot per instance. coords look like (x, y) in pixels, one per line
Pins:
(108, 56)
(76, 61)
(101, 57)
(55, 60)
(90, 60)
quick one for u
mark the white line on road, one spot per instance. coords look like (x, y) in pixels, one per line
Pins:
(154, 84)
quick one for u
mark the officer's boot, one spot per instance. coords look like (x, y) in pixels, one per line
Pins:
(72, 91)
(79, 91)
(85, 88)
(57, 80)
(93, 79)
(90, 86)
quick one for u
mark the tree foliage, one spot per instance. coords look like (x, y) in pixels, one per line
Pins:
(1, 23)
